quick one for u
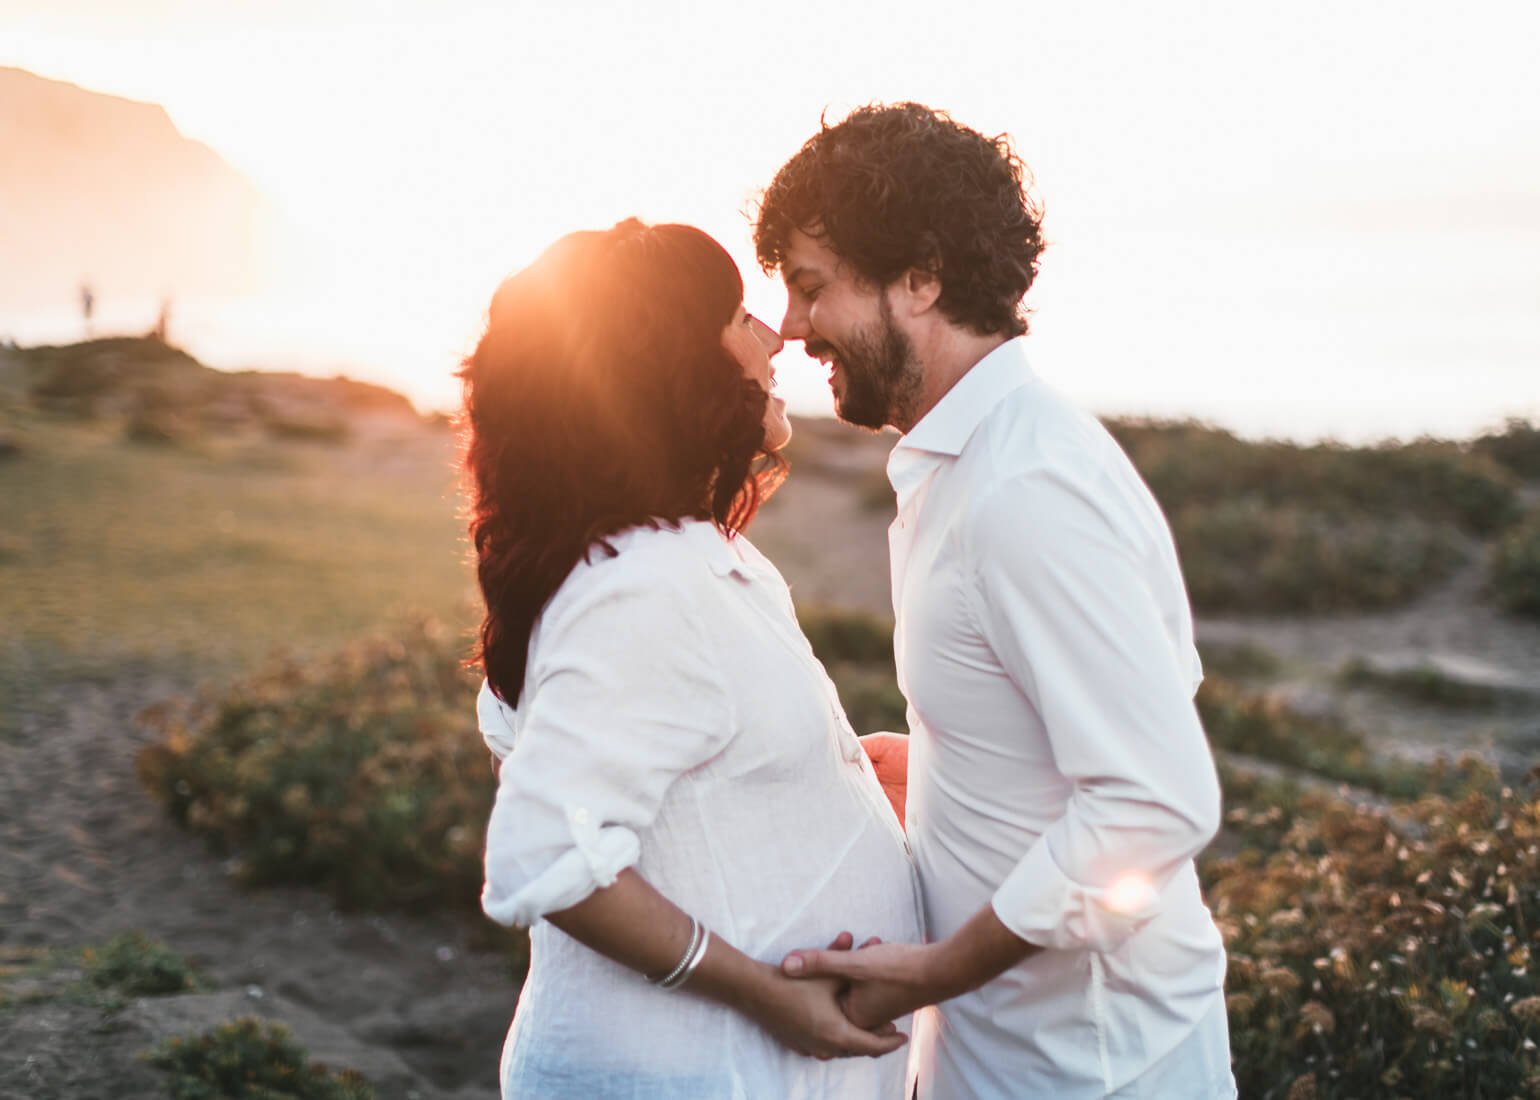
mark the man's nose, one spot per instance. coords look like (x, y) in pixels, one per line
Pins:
(795, 325)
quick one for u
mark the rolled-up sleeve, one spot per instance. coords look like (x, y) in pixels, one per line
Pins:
(1063, 594)
(623, 697)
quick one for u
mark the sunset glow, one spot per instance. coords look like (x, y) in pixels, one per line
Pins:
(1248, 210)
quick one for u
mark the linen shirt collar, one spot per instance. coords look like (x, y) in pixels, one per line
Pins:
(948, 426)
(720, 554)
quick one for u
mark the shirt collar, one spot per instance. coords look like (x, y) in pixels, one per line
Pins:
(719, 552)
(948, 426)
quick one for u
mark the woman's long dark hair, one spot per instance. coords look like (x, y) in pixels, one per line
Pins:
(600, 398)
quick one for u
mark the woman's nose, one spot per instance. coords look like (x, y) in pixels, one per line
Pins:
(768, 337)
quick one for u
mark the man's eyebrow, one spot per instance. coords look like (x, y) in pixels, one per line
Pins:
(799, 272)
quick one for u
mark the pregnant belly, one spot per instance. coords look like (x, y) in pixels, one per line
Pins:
(867, 889)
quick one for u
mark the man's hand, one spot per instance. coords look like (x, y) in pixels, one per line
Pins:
(809, 1017)
(887, 980)
(890, 979)
(889, 753)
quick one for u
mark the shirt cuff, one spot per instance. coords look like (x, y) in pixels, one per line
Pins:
(1043, 906)
(594, 862)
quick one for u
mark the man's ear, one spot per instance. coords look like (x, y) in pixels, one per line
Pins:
(922, 289)
(921, 283)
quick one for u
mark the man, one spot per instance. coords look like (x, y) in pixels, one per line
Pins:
(1061, 783)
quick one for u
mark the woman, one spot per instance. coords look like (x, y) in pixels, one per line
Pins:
(681, 801)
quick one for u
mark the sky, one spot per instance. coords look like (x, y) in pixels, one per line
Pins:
(1305, 219)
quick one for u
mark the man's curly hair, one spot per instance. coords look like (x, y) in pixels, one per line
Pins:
(901, 186)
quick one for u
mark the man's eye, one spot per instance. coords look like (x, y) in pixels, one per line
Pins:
(811, 292)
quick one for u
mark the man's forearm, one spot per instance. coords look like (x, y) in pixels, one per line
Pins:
(976, 953)
(890, 980)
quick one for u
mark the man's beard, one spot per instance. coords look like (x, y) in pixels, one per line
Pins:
(882, 378)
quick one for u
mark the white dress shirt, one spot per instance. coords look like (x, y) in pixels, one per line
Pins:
(675, 720)
(1058, 770)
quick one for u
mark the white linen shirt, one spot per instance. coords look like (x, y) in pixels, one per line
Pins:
(675, 720)
(1058, 770)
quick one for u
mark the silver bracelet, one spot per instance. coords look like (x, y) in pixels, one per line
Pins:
(672, 978)
(695, 960)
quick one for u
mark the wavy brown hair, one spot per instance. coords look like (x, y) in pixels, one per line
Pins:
(600, 398)
(904, 186)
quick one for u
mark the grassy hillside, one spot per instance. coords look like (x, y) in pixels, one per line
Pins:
(204, 550)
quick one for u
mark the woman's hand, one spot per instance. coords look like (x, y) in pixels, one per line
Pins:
(805, 1015)
(889, 753)
(804, 1023)
(632, 923)
(885, 981)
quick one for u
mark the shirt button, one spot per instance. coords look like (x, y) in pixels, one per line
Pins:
(580, 815)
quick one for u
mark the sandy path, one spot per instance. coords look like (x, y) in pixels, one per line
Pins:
(87, 855)
(1449, 624)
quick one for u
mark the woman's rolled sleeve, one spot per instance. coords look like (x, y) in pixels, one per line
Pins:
(623, 696)
(495, 722)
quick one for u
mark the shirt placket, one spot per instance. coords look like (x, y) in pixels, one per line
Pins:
(901, 538)
(846, 742)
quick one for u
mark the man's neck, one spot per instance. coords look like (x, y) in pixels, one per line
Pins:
(944, 359)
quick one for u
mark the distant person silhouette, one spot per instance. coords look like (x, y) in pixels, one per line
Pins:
(87, 306)
(162, 322)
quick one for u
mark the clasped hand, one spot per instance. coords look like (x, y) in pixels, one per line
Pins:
(807, 1013)
(881, 981)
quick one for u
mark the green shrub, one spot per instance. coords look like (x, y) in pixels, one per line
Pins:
(74, 379)
(1189, 464)
(842, 635)
(1268, 527)
(1516, 447)
(1239, 659)
(871, 697)
(155, 428)
(1262, 726)
(1429, 478)
(249, 1060)
(1515, 576)
(316, 428)
(134, 964)
(1245, 555)
(363, 772)
(1425, 683)
(1382, 954)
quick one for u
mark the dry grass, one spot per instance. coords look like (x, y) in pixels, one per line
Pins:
(118, 556)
